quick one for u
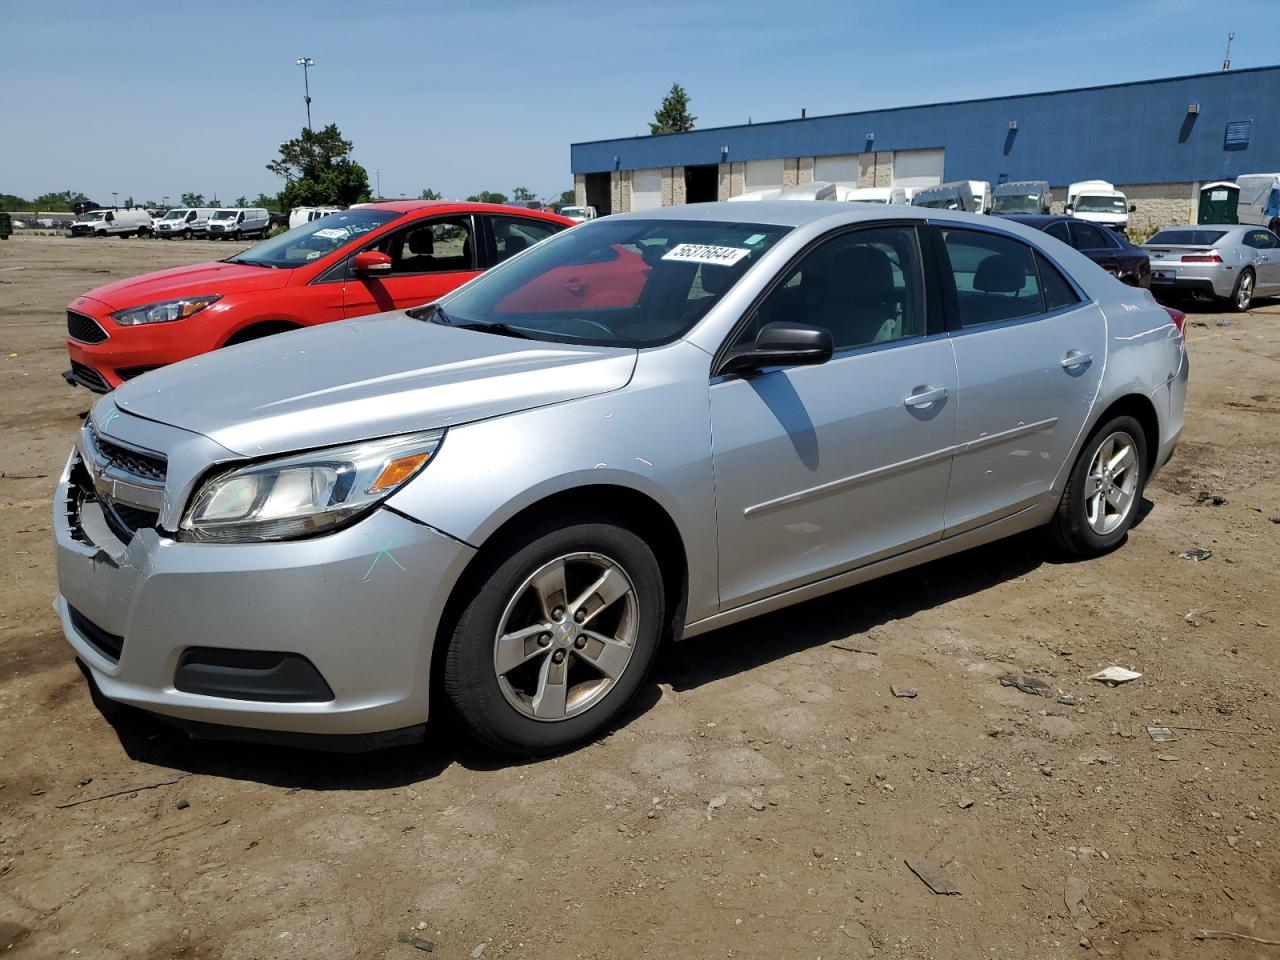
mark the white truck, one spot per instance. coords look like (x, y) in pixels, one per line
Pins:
(1099, 202)
(128, 222)
(300, 215)
(1259, 200)
(184, 222)
(578, 214)
(892, 196)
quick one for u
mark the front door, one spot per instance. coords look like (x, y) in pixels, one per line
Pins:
(819, 469)
(429, 258)
(1264, 249)
(1029, 354)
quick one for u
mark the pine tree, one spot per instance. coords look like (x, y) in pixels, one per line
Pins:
(673, 116)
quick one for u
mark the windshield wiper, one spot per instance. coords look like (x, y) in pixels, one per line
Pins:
(252, 263)
(435, 313)
(499, 328)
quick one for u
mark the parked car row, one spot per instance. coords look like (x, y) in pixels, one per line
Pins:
(652, 424)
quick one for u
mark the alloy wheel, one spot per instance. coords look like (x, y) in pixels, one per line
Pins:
(1244, 292)
(566, 636)
(1112, 483)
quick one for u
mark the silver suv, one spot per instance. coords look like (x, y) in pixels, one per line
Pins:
(649, 426)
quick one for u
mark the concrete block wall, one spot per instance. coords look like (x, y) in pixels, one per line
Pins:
(790, 172)
(805, 170)
(580, 189)
(677, 187)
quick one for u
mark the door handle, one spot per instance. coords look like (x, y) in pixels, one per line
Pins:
(925, 396)
(1076, 358)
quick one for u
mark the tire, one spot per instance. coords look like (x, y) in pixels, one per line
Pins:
(499, 709)
(1079, 528)
(143, 233)
(186, 234)
(1242, 294)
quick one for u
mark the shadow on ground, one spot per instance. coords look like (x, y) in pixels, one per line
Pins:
(684, 666)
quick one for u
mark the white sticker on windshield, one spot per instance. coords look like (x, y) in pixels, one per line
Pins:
(752, 240)
(705, 253)
(332, 233)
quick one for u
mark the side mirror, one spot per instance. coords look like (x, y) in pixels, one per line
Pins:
(1133, 208)
(1069, 209)
(777, 344)
(372, 261)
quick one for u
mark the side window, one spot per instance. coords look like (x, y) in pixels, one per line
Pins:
(995, 277)
(513, 234)
(191, 216)
(1057, 292)
(1089, 237)
(439, 246)
(1260, 239)
(865, 286)
(1059, 231)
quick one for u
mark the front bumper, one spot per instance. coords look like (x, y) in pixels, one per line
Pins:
(362, 605)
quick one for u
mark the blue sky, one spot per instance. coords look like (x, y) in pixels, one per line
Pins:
(149, 98)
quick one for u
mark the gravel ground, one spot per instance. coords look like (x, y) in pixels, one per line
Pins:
(766, 792)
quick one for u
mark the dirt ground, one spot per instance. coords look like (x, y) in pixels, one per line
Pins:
(764, 795)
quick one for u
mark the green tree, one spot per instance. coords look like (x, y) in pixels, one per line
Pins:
(567, 198)
(522, 193)
(429, 194)
(11, 201)
(317, 169)
(193, 199)
(61, 200)
(673, 116)
(242, 201)
(487, 196)
(270, 203)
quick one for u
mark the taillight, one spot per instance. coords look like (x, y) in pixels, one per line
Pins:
(1179, 319)
(1201, 258)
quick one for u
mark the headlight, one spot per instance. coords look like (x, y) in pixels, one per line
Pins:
(305, 494)
(164, 312)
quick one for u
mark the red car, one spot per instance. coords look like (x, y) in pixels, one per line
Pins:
(384, 256)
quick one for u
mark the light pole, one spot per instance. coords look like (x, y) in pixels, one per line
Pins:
(304, 63)
(114, 195)
(164, 201)
(378, 178)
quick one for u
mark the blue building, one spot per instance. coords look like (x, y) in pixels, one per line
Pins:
(1157, 140)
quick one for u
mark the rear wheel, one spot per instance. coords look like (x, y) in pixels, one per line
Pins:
(1101, 498)
(1242, 295)
(186, 234)
(556, 637)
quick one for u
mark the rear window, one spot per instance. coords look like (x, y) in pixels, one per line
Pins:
(1188, 238)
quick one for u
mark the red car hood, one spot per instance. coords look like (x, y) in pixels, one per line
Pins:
(202, 278)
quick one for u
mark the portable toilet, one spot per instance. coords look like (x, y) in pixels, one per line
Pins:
(1218, 203)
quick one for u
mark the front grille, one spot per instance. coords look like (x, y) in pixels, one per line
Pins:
(128, 373)
(125, 520)
(85, 329)
(89, 378)
(144, 465)
(107, 644)
(215, 228)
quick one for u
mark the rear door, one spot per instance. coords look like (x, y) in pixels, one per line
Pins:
(429, 258)
(1030, 351)
(507, 236)
(819, 469)
(1096, 244)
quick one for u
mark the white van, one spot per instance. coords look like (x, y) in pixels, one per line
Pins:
(767, 193)
(956, 195)
(893, 196)
(1021, 197)
(1099, 202)
(300, 215)
(578, 214)
(185, 222)
(981, 190)
(113, 223)
(1259, 199)
(233, 223)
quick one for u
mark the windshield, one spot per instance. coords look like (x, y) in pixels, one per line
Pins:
(572, 212)
(870, 200)
(1188, 238)
(626, 283)
(1008, 204)
(937, 203)
(174, 215)
(224, 215)
(313, 240)
(93, 215)
(1100, 205)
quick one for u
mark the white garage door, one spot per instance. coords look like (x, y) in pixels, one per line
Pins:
(763, 174)
(917, 168)
(836, 169)
(646, 189)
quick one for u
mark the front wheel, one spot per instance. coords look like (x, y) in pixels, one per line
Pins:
(186, 234)
(1242, 295)
(556, 637)
(1101, 499)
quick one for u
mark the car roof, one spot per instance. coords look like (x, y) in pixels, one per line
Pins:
(455, 206)
(1037, 220)
(798, 213)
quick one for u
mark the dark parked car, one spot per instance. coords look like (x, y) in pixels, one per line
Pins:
(1107, 248)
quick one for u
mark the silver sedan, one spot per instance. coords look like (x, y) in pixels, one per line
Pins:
(647, 427)
(1233, 264)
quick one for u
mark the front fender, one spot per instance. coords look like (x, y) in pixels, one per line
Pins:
(653, 437)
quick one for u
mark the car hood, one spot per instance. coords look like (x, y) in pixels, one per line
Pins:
(202, 278)
(359, 379)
